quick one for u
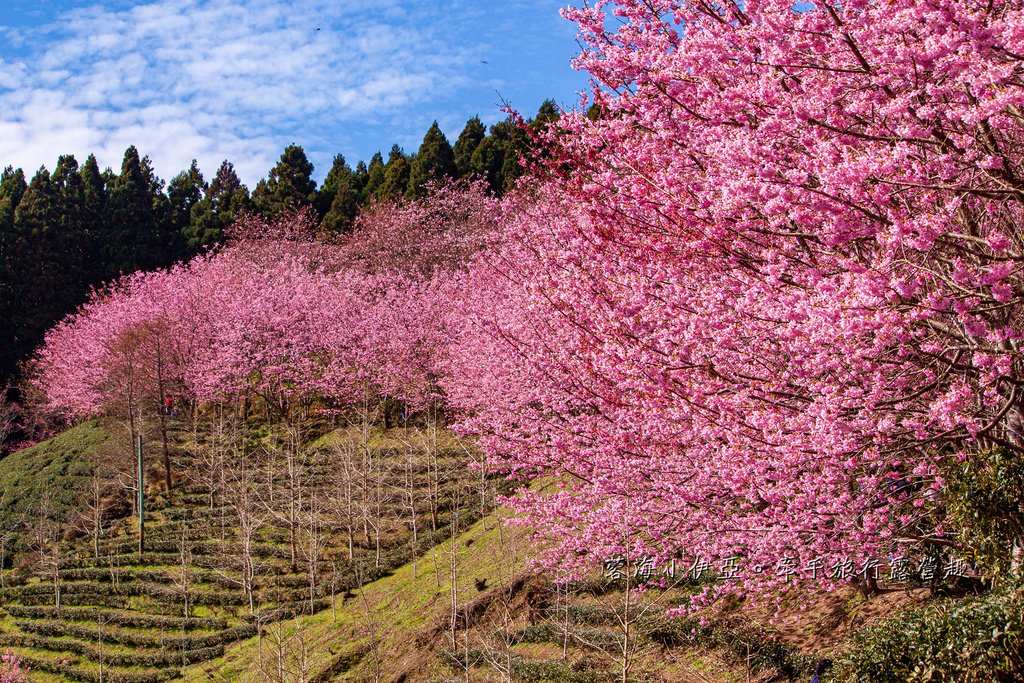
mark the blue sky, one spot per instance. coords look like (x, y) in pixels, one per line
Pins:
(212, 79)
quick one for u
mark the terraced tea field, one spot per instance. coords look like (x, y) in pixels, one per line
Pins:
(245, 539)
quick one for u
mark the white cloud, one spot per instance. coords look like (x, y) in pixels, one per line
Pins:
(213, 79)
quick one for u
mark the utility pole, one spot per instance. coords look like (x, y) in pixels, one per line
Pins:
(142, 523)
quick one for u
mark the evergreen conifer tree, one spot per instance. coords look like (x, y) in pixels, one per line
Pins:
(488, 158)
(338, 198)
(35, 255)
(225, 200)
(136, 229)
(547, 113)
(362, 174)
(183, 192)
(290, 183)
(128, 220)
(470, 138)
(167, 242)
(374, 178)
(396, 176)
(12, 189)
(94, 200)
(325, 194)
(72, 237)
(434, 161)
(344, 208)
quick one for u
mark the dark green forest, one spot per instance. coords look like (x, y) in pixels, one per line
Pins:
(67, 231)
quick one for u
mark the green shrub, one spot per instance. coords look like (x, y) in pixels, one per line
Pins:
(980, 495)
(77, 599)
(96, 590)
(170, 640)
(592, 615)
(139, 658)
(93, 676)
(967, 641)
(126, 559)
(535, 633)
(537, 671)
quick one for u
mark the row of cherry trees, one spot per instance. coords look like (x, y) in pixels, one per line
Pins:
(276, 314)
(774, 270)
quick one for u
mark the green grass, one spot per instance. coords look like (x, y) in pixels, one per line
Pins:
(402, 605)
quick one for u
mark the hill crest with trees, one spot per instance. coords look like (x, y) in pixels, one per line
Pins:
(79, 227)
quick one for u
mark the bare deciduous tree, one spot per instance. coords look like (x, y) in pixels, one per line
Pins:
(248, 516)
(48, 534)
(285, 653)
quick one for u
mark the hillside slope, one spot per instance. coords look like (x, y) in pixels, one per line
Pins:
(251, 533)
(424, 580)
(473, 609)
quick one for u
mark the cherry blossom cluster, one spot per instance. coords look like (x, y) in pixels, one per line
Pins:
(11, 669)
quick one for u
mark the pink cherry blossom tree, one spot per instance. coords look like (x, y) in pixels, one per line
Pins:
(780, 262)
(278, 315)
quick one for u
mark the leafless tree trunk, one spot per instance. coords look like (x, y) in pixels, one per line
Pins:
(344, 495)
(497, 648)
(408, 495)
(99, 646)
(314, 542)
(296, 472)
(90, 519)
(183, 581)
(500, 635)
(457, 621)
(433, 465)
(212, 461)
(161, 392)
(285, 656)
(288, 511)
(378, 497)
(371, 630)
(248, 517)
(562, 612)
(626, 616)
(48, 536)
